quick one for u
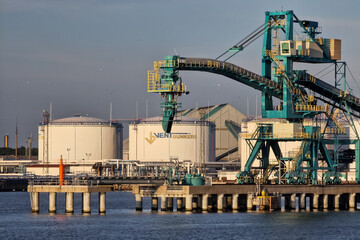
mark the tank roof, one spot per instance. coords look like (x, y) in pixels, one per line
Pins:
(79, 120)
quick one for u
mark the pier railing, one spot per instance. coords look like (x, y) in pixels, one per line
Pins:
(71, 182)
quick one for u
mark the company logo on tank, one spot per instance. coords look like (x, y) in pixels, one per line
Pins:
(154, 136)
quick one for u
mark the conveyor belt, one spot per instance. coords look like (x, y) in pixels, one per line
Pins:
(330, 92)
(232, 71)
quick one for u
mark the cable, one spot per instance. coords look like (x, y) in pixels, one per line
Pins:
(322, 70)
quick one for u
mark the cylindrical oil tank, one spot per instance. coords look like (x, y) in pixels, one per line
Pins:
(79, 139)
(190, 139)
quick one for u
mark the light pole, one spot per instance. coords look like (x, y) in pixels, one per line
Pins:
(68, 150)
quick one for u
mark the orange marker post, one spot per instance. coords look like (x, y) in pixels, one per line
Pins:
(61, 172)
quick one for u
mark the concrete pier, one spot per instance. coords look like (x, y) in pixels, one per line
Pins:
(154, 204)
(235, 202)
(52, 202)
(229, 197)
(69, 202)
(302, 201)
(138, 202)
(204, 204)
(326, 201)
(188, 202)
(69, 191)
(163, 203)
(352, 199)
(316, 201)
(86, 203)
(34, 202)
(337, 202)
(220, 201)
(283, 206)
(292, 200)
(102, 202)
(249, 202)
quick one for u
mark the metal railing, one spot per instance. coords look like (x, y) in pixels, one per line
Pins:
(68, 182)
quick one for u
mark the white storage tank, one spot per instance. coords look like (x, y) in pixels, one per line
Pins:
(190, 139)
(79, 139)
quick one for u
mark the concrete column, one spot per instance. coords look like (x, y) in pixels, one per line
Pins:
(179, 203)
(34, 202)
(220, 200)
(154, 204)
(86, 208)
(352, 197)
(297, 207)
(337, 201)
(307, 200)
(52, 202)
(188, 202)
(326, 201)
(69, 202)
(163, 203)
(102, 202)
(302, 201)
(170, 204)
(249, 203)
(292, 200)
(235, 202)
(316, 201)
(204, 204)
(283, 204)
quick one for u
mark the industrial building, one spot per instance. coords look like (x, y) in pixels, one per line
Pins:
(227, 121)
(192, 140)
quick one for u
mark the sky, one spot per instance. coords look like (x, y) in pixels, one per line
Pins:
(82, 55)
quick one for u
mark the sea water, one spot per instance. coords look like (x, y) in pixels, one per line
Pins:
(121, 221)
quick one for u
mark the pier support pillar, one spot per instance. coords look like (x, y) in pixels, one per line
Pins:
(326, 201)
(188, 202)
(292, 201)
(337, 201)
(316, 201)
(179, 204)
(235, 202)
(307, 200)
(69, 202)
(302, 201)
(283, 204)
(204, 204)
(154, 204)
(52, 202)
(352, 197)
(86, 208)
(249, 202)
(102, 202)
(220, 201)
(34, 202)
(163, 203)
(170, 204)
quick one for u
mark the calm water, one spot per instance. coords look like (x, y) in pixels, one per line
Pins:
(122, 222)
